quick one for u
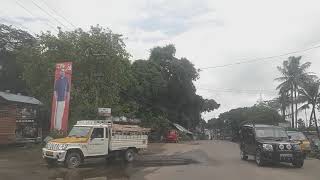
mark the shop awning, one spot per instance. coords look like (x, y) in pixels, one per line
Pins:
(19, 98)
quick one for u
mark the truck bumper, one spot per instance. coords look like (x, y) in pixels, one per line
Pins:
(55, 155)
(287, 157)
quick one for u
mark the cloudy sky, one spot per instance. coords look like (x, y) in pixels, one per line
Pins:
(209, 33)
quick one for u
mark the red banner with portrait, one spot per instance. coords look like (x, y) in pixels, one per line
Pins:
(61, 96)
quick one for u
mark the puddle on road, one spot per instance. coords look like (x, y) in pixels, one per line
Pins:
(116, 169)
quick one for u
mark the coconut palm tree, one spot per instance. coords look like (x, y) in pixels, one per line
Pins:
(280, 103)
(309, 93)
(293, 74)
(284, 101)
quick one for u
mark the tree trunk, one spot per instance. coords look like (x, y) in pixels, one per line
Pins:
(305, 113)
(296, 102)
(292, 111)
(316, 122)
(311, 115)
(283, 113)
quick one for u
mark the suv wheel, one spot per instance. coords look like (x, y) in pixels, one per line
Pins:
(258, 158)
(298, 164)
(243, 155)
(129, 155)
(73, 160)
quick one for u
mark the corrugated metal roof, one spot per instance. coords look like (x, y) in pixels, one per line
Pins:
(19, 98)
(182, 129)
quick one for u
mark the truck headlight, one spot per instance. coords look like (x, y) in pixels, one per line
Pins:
(288, 146)
(62, 146)
(267, 147)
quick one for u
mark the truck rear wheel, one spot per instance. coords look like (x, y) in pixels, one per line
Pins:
(73, 160)
(129, 155)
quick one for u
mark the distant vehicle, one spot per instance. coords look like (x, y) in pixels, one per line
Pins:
(94, 138)
(269, 144)
(300, 138)
(172, 136)
(315, 146)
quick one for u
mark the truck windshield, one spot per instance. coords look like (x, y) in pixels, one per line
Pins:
(78, 131)
(271, 132)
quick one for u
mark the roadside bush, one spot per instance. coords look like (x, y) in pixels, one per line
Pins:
(185, 137)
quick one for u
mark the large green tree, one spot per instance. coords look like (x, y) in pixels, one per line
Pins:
(164, 87)
(259, 113)
(157, 90)
(101, 69)
(11, 42)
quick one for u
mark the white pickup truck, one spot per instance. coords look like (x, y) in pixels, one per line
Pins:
(96, 138)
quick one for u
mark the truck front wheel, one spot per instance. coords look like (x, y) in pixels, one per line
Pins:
(258, 158)
(51, 162)
(129, 155)
(73, 160)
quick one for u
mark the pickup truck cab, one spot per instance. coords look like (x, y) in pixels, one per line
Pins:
(269, 144)
(96, 138)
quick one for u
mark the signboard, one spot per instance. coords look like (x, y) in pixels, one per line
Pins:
(106, 112)
(61, 96)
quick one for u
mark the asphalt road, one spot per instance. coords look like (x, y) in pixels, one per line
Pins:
(220, 160)
(190, 161)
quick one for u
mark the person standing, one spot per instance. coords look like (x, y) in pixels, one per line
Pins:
(61, 91)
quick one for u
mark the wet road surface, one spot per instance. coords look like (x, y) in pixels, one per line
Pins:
(197, 160)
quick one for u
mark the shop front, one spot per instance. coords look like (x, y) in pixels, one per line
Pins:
(19, 119)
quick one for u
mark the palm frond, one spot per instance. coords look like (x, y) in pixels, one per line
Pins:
(305, 66)
(283, 71)
(303, 107)
(281, 79)
(284, 86)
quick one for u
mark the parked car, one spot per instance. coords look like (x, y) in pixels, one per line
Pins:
(269, 144)
(300, 138)
(172, 136)
(315, 145)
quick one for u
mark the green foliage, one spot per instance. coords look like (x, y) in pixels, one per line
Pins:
(184, 137)
(309, 94)
(157, 90)
(101, 70)
(293, 75)
(258, 114)
(232, 120)
(163, 86)
(11, 41)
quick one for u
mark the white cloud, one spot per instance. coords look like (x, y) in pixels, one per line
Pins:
(208, 32)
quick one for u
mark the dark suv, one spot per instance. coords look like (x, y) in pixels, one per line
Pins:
(269, 144)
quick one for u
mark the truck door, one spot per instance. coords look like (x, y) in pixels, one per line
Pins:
(98, 144)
